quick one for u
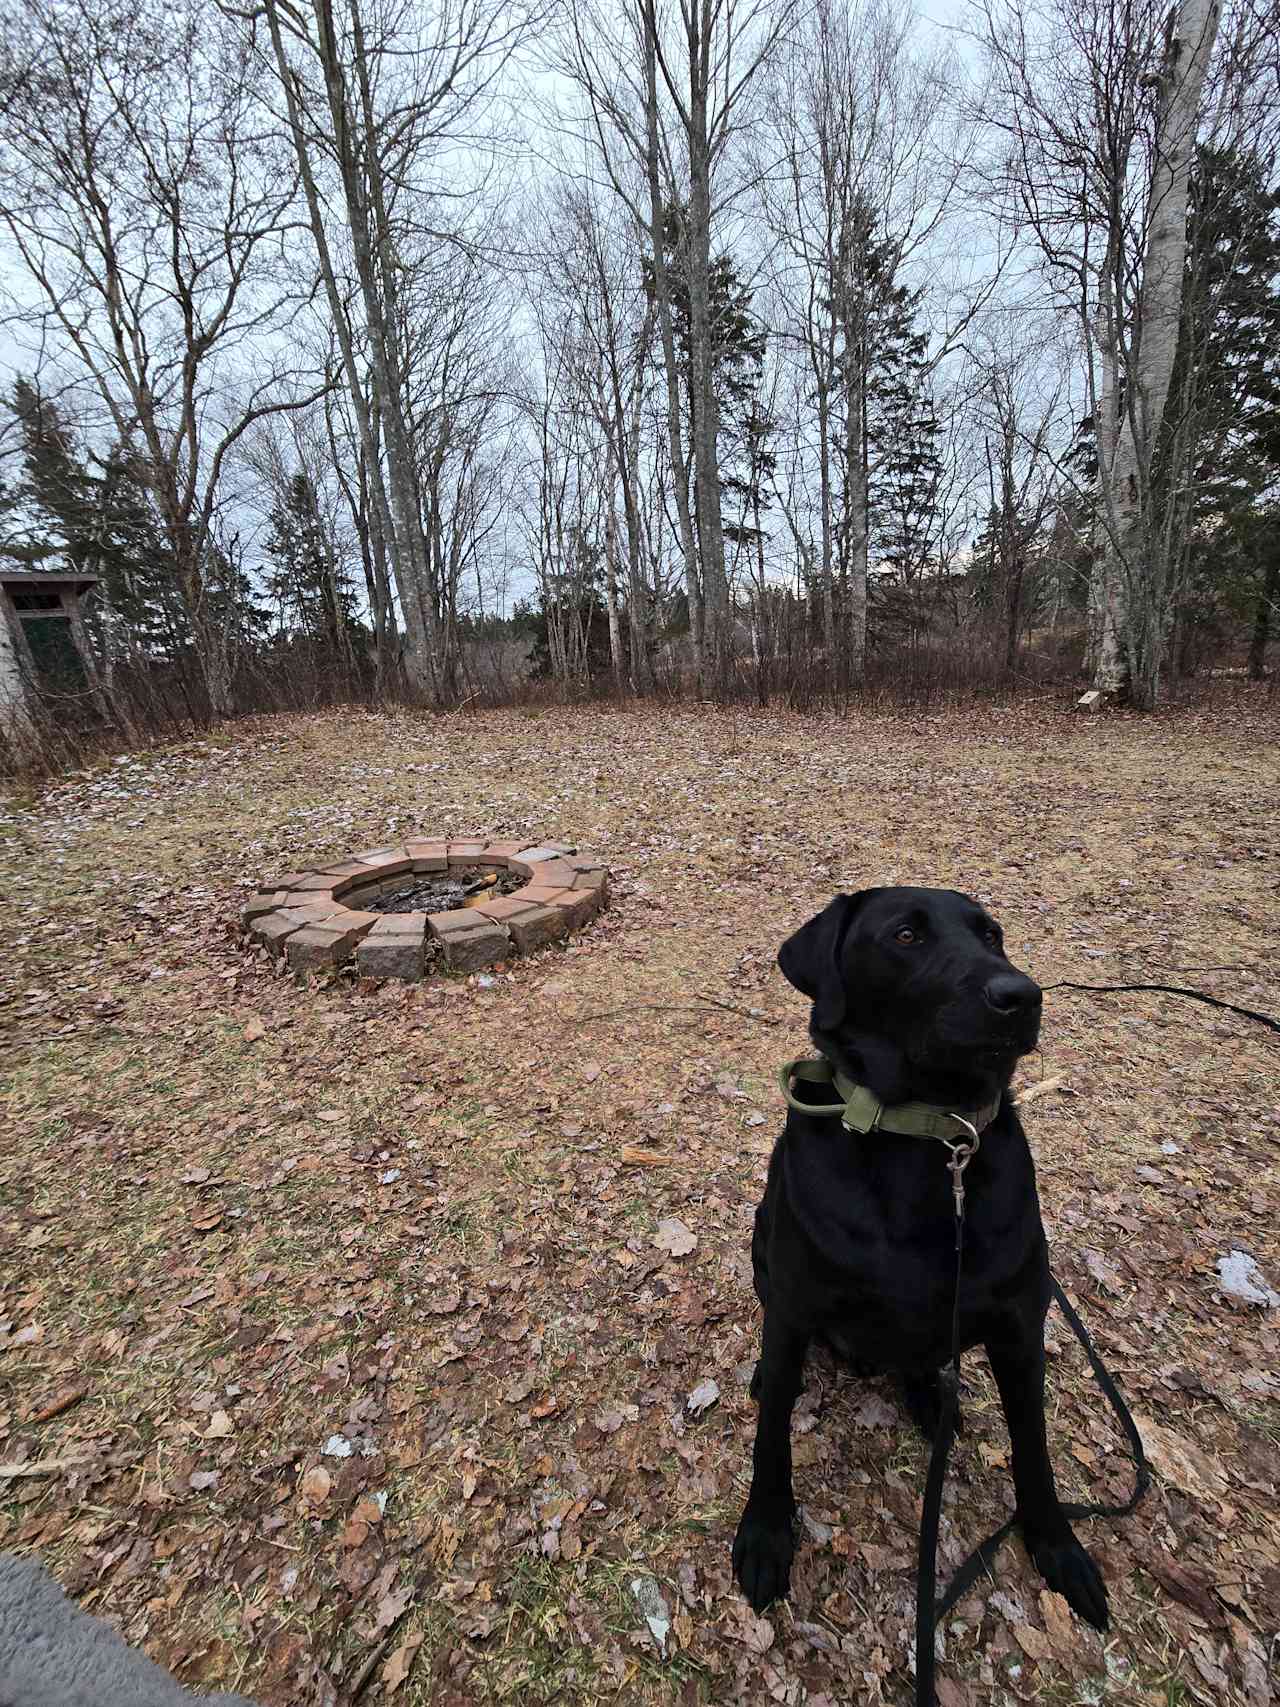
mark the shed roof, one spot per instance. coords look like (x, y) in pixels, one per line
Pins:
(14, 579)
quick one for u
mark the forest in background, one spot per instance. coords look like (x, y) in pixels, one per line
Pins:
(464, 351)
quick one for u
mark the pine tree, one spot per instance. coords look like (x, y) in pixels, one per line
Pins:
(101, 523)
(58, 485)
(984, 561)
(738, 346)
(1227, 369)
(886, 412)
(312, 591)
(902, 428)
(1227, 381)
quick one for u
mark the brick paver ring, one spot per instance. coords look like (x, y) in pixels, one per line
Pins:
(315, 919)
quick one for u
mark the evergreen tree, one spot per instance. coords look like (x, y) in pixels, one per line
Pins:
(101, 522)
(902, 428)
(1227, 378)
(905, 493)
(58, 486)
(750, 476)
(737, 347)
(885, 404)
(984, 561)
(1227, 370)
(314, 593)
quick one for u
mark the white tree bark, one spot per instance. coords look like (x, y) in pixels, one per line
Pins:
(1135, 612)
(611, 591)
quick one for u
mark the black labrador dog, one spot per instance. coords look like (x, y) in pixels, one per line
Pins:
(913, 998)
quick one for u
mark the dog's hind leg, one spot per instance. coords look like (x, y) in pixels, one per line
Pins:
(764, 1544)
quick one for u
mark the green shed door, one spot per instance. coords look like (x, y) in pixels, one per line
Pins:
(59, 666)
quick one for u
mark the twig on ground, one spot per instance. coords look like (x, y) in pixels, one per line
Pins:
(56, 1406)
(377, 1653)
(1041, 1088)
(680, 1007)
(372, 1659)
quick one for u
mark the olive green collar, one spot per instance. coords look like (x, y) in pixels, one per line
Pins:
(860, 1110)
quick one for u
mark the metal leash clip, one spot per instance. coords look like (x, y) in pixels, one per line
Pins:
(960, 1155)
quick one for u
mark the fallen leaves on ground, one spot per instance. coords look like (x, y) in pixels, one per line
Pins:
(493, 1237)
(674, 1237)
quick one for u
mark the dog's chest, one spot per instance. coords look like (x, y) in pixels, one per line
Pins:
(874, 1259)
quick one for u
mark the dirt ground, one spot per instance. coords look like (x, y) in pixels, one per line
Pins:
(342, 1356)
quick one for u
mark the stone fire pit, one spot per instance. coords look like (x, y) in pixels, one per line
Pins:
(319, 919)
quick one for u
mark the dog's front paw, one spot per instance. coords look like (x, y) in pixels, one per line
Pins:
(762, 1554)
(1068, 1569)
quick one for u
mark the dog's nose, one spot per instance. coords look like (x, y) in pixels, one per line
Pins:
(1013, 993)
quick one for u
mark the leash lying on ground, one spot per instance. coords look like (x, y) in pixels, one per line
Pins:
(1175, 990)
(929, 1611)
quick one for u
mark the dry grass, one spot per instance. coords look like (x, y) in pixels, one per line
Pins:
(403, 1214)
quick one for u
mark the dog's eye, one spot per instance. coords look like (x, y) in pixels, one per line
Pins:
(992, 935)
(906, 936)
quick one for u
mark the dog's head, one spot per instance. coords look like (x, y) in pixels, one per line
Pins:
(913, 993)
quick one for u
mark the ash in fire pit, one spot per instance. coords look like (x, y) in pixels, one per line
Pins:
(442, 892)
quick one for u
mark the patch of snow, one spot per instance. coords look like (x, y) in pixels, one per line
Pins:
(1242, 1278)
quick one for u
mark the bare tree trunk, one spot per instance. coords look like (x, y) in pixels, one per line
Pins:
(856, 514)
(639, 600)
(1267, 597)
(706, 408)
(611, 591)
(1100, 611)
(373, 558)
(670, 360)
(1136, 611)
(830, 643)
(406, 522)
(418, 659)
(376, 265)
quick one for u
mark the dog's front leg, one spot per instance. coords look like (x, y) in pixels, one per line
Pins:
(764, 1544)
(1018, 1367)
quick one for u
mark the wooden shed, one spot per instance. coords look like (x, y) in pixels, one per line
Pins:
(45, 655)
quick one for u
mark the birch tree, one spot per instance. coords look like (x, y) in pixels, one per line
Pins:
(1100, 108)
(1139, 563)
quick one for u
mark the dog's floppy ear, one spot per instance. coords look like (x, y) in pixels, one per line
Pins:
(810, 959)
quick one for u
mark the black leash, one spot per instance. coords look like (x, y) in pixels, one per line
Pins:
(1176, 990)
(928, 1612)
